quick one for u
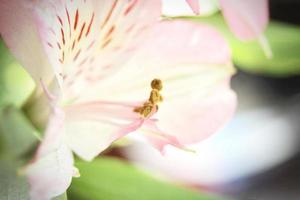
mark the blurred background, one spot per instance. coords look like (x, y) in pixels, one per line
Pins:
(255, 157)
(282, 96)
(272, 103)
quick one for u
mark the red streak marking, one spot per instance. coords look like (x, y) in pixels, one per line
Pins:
(140, 30)
(69, 21)
(60, 20)
(63, 36)
(63, 56)
(76, 56)
(109, 13)
(91, 61)
(84, 61)
(76, 19)
(73, 45)
(130, 28)
(52, 31)
(91, 45)
(58, 45)
(117, 48)
(90, 25)
(49, 44)
(78, 72)
(129, 8)
(106, 43)
(90, 79)
(70, 83)
(130, 49)
(107, 66)
(81, 31)
(111, 30)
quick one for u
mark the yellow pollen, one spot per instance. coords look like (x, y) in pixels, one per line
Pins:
(154, 99)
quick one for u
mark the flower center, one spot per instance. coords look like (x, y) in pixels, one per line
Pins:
(154, 98)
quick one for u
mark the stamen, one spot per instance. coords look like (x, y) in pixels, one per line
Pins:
(154, 98)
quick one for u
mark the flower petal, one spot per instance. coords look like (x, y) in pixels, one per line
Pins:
(191, 120)
(19, 32)
(247, 19)
(195, 72)
(83, 38)
(190, 7)
(194, 4)
(92, 127)
(176, 8)
(158, 138)
(51, 171)
(184, 64)
(51, 175)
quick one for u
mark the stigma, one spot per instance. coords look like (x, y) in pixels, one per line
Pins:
(154, 99)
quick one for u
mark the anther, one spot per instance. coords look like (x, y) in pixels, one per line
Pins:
(154, 99)
(156, 84)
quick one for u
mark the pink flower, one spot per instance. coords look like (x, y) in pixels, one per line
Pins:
(247, 19)
(105, 55)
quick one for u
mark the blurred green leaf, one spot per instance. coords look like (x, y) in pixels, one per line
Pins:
(113, 179)
(12, 186)
(15, 83)
(17, 134)
(283, 38)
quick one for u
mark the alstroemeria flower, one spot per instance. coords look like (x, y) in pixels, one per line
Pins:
(247, 19)
(105, 55)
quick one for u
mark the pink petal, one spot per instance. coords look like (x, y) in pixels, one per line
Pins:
(195, 119)
(204, 44)
(194, 4)
(51, 175)
(158, 138)
(18, 30)
(84, 38)
(51, 171)
(93, 126)
(247, 19)
(184, 64)
(195, 72)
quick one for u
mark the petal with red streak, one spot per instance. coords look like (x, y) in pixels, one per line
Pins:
(88, 40)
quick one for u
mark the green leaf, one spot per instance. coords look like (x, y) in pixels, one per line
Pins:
(284, 40)
(12, 186)
(15, 83)
(17, 135)
(113, 179)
